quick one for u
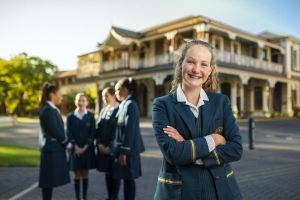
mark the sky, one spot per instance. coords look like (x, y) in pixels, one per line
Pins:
(60, 30)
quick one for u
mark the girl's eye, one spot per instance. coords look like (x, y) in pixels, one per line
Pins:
(190, 61)
(204, 65)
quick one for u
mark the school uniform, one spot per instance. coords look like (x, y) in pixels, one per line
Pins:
(105, 134)
(128, 142)
(81, 132)
(105, 131)
(194, 168)
(53, 164)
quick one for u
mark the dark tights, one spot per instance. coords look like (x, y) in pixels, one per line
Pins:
(47, 193)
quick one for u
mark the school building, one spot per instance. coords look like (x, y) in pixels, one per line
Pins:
(259, 73)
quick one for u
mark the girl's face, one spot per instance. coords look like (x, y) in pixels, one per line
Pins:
(108, 98)
(56, 97)
(196, 67)
(121, 92)
(81, 102)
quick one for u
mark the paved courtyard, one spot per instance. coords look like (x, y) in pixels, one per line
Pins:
(270, 171)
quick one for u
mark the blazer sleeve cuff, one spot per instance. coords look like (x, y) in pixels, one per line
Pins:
(201, 148)
(125, 150)
(212, 160)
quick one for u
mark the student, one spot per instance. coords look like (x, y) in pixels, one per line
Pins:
(53, 165)
(105, 132)
(196, 132)
(81, 132)
(128, 138)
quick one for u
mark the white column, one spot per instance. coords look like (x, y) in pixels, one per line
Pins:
(287, 58)
(233, 98)
(159, 78)
(200, 31)
(266, 93)
(242, 99)
(170, 37)
(271, 94)
(289, 100)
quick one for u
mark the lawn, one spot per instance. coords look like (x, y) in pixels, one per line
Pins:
(16, 156)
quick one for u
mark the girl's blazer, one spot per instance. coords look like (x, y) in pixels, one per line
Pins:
(217, 117)
(53, 133)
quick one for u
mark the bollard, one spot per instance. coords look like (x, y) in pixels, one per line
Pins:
(251, 126)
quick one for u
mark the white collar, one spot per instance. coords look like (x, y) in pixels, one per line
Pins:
(53, 106)
(182, 98)
(80, 113)
(114, 107)
(123, 102)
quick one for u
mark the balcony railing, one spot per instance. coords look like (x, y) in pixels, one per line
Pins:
(113, 65)
(249, 62)
(222, 56)
(135, 63)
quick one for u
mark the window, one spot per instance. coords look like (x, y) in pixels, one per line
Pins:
(235, 48)
(217, 44)
(264, 54)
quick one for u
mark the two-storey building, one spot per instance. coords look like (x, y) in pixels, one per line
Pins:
(259, 73)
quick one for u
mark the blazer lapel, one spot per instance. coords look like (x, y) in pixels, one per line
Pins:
(186, 115)
(207, 115)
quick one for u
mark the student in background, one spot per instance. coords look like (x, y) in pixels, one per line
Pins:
(81, 132)
(105, 133)
(53, 165)
(128, 137)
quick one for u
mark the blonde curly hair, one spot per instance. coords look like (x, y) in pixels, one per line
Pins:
(211, 83)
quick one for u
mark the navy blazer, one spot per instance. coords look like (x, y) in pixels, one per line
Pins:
(106, 127)
(81, 132)
(105, 134)
(217, 117)
(52, 129)
(53, 165)
(128, 141)
(128, 133)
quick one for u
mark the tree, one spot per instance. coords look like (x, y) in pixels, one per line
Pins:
(22, 88)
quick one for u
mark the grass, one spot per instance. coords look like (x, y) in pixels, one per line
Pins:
(28, 119)
(17, 156)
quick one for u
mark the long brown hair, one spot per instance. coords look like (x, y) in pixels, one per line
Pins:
(47, 89)
(211, 84)
(109, 90)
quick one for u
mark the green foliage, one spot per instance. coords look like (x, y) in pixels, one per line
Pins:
(21, 80)
(11, 155)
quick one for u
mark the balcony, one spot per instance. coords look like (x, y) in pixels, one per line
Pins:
(113, 65)
(249, 62)
(222, 56)
(135, 63)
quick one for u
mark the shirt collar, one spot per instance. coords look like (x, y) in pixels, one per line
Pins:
(182, 98)
(53, 106)
(123, 102)
(115, 106)
(78, 113)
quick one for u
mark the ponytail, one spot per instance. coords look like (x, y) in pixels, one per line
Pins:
(47, 89)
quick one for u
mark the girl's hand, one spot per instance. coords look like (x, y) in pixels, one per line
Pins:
(101, 148)
(173, 133)
(218, 139)
(78, 150)
(122, 160)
